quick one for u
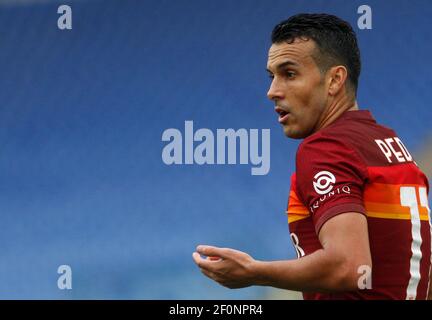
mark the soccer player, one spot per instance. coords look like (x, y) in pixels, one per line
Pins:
(358, 209)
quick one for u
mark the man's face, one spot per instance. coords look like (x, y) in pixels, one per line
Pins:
(297, 88)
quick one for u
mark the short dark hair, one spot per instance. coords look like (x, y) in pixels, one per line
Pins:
(334, 37)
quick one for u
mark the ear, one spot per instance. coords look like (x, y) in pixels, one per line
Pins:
(337, 79)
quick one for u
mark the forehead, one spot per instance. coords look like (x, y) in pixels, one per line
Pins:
(299, 51)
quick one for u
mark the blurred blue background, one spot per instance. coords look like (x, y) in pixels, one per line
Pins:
(82, 113)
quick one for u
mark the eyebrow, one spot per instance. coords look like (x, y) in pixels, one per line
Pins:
(284, 64)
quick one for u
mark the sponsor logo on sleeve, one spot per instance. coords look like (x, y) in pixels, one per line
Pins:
(323, 182)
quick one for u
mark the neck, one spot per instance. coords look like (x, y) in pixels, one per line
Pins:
(335, 110)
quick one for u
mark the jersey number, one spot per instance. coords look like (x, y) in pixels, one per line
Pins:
(300, 252)
(408, 198)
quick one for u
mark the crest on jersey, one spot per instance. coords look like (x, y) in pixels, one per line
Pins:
(323, 182)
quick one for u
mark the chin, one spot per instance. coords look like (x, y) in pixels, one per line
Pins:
(294, 134)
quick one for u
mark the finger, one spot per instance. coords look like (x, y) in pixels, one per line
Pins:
(212, 251)
(205, 263)
(208, 274)
(214, 258)
(197, 258)
(213, 276)
(224, 253)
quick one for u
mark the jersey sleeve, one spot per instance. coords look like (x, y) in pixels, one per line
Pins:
(330, 178)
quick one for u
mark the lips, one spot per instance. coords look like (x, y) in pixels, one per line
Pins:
(283, 114)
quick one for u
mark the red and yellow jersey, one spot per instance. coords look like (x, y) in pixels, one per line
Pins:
(356, 165)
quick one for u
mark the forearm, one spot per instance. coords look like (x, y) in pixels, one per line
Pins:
(318, 272)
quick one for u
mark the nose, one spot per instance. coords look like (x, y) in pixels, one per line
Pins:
(275, 91)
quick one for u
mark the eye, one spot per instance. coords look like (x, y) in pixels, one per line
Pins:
(271, 76)
(290, 74)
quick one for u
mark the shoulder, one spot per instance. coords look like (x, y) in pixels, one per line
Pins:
(325, 142)
(329, 154)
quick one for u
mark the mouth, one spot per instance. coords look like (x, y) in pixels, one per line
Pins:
(283, 115)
